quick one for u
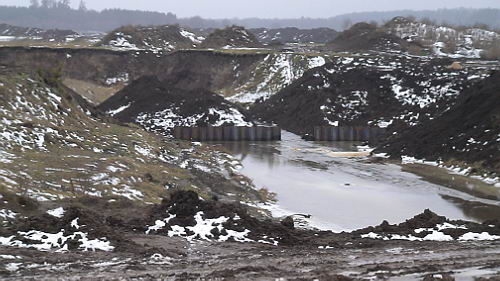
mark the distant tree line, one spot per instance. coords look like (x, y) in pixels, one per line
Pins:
(49, 14)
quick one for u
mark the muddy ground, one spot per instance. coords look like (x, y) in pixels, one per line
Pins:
(297, 254)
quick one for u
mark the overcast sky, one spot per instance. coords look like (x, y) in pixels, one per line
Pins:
(274, 8)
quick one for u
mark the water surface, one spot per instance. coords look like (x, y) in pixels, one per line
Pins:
(347, 193)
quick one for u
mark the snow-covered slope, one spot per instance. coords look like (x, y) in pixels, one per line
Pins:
(294, 35)
(159, 107)
(229, 38)
(273, 73)
(469, 131)
(53, 145)
(395, 91)
(10, 32)
(444, 41)
(154, 38)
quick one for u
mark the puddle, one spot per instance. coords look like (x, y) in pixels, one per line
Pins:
(347, 193)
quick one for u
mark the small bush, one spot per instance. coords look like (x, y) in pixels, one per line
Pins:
(51, 77)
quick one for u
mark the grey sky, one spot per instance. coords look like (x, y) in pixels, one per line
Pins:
(274, 8)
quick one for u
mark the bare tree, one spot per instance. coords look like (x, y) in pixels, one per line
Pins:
(82, 6)
(64, 4)
(34, 4)
(49, 4)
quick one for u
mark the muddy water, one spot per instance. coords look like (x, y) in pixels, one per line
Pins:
(347, 193)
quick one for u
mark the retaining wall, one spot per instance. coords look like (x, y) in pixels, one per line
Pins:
(228, 133)
(347, 133)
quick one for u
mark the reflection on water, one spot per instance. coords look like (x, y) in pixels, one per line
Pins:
(346, 193)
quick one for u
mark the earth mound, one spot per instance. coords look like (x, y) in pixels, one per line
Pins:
(367, 37)
(185, 214)
(231, 37)
(468, 131)
(156, 38)
(443, 40)
(28, 32)
(294, 35)
(66, 229)
(430, 226)
(392, 92)
(159, 107)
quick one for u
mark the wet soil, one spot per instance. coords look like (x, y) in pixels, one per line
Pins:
(300, 255)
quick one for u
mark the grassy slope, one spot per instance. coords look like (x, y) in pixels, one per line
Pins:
(51, 148)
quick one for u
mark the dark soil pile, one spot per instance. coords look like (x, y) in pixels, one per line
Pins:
(430, 221)
(186, 204)
(163, 37)
(364, 37)
(117, 221)
(94, 224)
(18, 31)
(233, 37)
(469, 131)
(365, 91)
(162, 106)
(294, 35)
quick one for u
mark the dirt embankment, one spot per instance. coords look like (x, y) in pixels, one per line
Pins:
(385, 91)
(210, 70)
(159, 106)
(231, 37)
(368, 37)
(27, 32)
(295, 35)
(469, 131)
(157, 38)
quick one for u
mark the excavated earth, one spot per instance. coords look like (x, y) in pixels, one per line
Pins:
(151, 102)
(364, 36)
(231, 37)
(294, 35)
(468, 131)
(367, 90)
(145, 253)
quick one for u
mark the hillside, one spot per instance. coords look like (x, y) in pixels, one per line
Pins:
(54, 145)
(368, 37)
(444, 40)
(294, 35)
(386, 91)
(159, 107)
(154, 38)
(97, 74)
(231, 37)
(469, 132)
